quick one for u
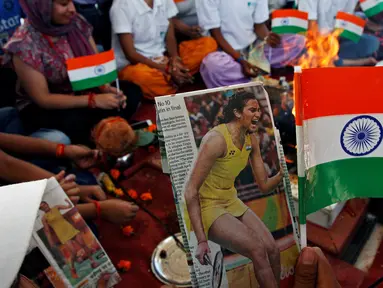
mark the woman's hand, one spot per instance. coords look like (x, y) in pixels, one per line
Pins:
(92, 192)
(109, 101)
(82, 156)
(273, 40)
(249, 69)
(118, 211)
(69, 186)
(202, 250)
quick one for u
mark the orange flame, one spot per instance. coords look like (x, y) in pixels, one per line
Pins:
(322, 50)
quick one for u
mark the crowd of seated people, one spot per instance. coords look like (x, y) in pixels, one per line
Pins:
(159, 45)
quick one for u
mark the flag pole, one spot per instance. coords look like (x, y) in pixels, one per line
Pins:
(300, 154)
(118, 90)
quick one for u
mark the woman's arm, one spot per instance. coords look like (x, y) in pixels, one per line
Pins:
(14, 170)
(36, 86)
(265, 183)
(127, 45)
(213, 146)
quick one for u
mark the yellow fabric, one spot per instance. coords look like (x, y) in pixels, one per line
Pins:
(63, 229)
(217, 194)
(153, 82)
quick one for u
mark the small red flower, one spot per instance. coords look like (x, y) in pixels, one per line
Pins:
(124, 265)
(152, 128)
(119, 192)
(115, 174)
(128, 230)
(147, 196)
(133, 194)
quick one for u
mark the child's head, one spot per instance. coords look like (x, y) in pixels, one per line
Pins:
(114, 136)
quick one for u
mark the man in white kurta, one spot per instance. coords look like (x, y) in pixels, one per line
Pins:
(322, 13)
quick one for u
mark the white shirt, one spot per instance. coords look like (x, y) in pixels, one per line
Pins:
(148, 26)
(324, 11)
(236, 18)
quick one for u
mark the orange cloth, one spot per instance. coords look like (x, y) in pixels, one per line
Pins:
(152, 81)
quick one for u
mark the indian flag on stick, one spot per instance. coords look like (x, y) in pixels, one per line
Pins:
(351, 25)
(371, 7)
(342, 129)
(92, 71)
(289, 21)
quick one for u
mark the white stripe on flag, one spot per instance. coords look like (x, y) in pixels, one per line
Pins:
(93, 71)
(289, 21)
(322, 137)
(369, 4)
(349, 26)
(301, 166)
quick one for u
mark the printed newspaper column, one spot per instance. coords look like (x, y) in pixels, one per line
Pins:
(214, 173)
(180, 153)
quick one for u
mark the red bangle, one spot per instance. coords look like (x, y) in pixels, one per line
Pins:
(60, 150)
(98, 209)
(91, 100)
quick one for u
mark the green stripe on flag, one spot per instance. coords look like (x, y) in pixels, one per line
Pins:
(288, 30)
(94, 82)
(342, 180)
(301, 189)
(374, 10)
(351, 36)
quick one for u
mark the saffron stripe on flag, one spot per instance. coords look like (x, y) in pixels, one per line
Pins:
(90, 71)
(283, 13)
(92, 60)
(351, 18)
(345, 90)
(94, 82)
(346, 176)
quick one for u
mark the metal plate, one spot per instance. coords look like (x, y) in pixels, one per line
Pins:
(172, 269)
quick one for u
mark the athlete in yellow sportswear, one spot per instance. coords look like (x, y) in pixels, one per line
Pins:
(216, 213)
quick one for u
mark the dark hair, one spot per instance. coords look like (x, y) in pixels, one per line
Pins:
(236, 102)
(43, 202)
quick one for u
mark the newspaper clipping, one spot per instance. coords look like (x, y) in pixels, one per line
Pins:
(222, 156)
(76, 257)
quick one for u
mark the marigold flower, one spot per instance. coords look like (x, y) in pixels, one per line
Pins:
(118, 192)
(128, 230)
(124, 265)
(115, 174)
(133, 194)
(147, 196)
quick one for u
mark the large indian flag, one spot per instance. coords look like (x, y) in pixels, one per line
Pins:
(342, 116)
(92, 71)
(351, 25)
(289, 21)
(371, 7)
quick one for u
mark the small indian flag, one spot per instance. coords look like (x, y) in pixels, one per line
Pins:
(371, 7)
(351, 25)
(342, 131)
(289, 21)
(92, 71)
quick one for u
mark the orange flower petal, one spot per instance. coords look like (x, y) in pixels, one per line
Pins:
(133, 194)
(128, 230)
(124, 265)
(146, 196)
(119, 192)
(115, 173)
